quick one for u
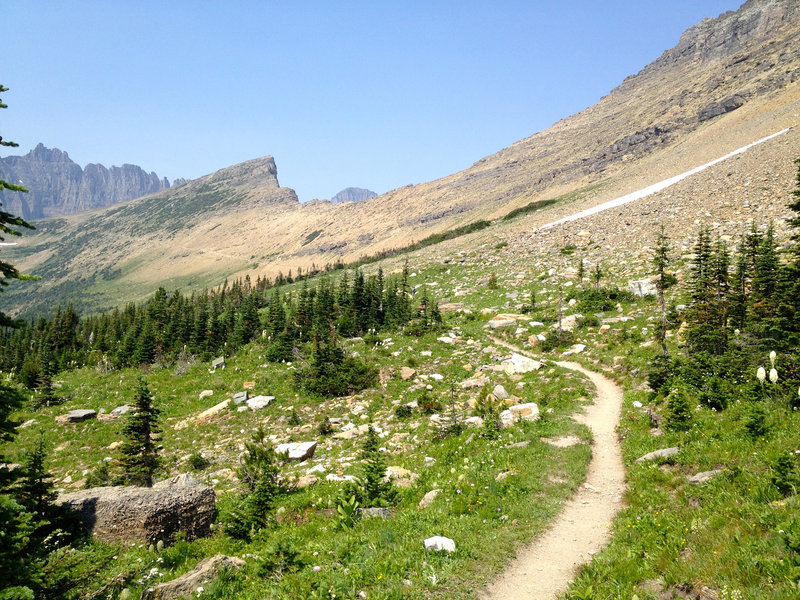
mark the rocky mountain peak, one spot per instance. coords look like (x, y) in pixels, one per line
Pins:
(353, 194)
(731, 32)
(58, 186)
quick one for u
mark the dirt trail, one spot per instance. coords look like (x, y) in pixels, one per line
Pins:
(544, 569)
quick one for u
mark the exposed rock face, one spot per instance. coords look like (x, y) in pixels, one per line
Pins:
(146, 515)
(58, 186)
(186, 585)
(353, 194)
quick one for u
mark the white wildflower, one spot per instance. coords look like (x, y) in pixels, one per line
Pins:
(761, 374)
(773, 375)
(772, 356)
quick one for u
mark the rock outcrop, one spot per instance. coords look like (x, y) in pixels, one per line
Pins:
(186, 585)
(58, 186)
(146, 515)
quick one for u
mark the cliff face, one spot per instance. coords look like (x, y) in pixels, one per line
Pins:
(58, 186)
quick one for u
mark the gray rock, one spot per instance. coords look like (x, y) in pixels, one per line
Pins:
(146, 515)
(642, 287)
(259, 402)
(371, 513)
(121, 410)
(297, 451)
(656, 454)
(500, 392)
(186, 585)
(241, 397)
(218, 363)
(428, 498)
(716, 109)
(77, 416)
(699, 478)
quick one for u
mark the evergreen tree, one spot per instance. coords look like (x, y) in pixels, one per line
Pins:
(139, 459)
(660, 262)
(373, 489)
(9, 224)
(259, 470)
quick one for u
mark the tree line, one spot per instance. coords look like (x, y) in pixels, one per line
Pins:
(216, 322)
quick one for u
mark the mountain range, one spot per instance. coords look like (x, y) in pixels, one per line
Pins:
(729, 81)
(59, 186)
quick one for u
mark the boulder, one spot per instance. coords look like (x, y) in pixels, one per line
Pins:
(499, 392)
(407, 373)
(451, 307)
(297, 450)
(218, 363)
(259, 402)
(121, 410)
(656, 454)
(569, 323)
(241, 397)
(402, 477)
(77, 416)
(186, 585)
(527, 412)
(475, 382)
(446, 339)
(500, 322)
(642, 287)
(208, 415)
(428, 498)
(146, 515)
(523, 364)
(306, 481)
(440, 543)
(206, 394)
(699, 478)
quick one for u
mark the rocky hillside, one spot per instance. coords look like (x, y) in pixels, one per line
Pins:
(58, 186)
(728, 82)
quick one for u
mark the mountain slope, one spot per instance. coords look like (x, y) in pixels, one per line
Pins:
(58, 186)
(729, 81)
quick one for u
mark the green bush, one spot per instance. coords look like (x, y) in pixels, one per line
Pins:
(679, 411)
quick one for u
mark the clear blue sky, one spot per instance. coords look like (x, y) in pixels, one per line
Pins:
(367, 94)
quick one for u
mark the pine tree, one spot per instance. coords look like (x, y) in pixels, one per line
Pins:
(34, 490)
(373, 489)
(9, 224)
(660, 262)
(139, 459)
(259, 470)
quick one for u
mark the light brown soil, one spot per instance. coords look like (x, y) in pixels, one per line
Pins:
(544, 569)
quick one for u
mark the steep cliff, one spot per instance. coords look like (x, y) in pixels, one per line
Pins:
(58, 186)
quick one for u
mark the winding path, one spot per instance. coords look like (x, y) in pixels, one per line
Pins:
(544, 569)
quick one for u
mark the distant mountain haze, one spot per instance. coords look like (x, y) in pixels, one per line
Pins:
(58, 186)
(353, 194)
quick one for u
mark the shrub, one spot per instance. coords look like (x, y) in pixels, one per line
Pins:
(402, 411)
(281, 558)
(679, 411)
(428, 404)
(197, 462)
(784, 475)
(372, 488)
(260, 472)
(755, 423)
(325, 427)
